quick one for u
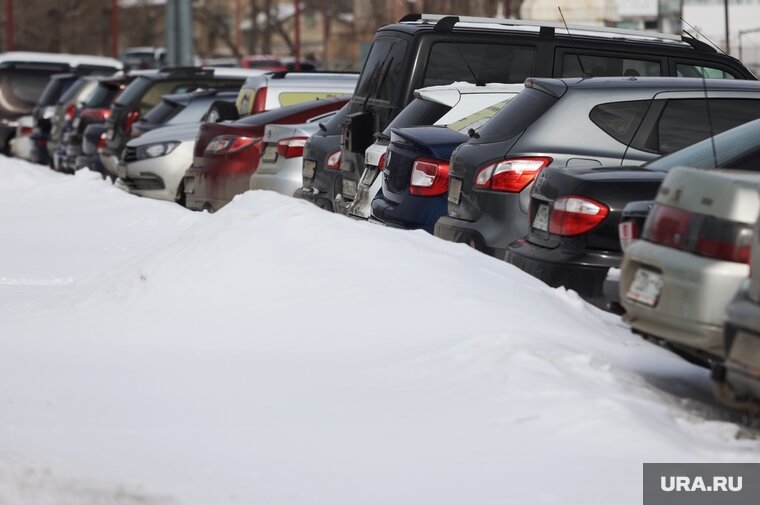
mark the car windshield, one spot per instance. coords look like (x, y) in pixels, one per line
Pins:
(729, 146)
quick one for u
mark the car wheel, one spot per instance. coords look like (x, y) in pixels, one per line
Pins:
(180, 198)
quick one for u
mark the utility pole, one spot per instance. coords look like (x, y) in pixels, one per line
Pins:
(297, 65)
(728, 39)
(179, 32)
(114, 27)
(238, 40)
(9, 45)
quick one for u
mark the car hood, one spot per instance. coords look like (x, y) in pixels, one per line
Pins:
(180, 132)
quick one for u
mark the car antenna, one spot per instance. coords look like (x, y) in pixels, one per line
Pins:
(709, 121)
(478, 81)
(584, 74)
(696, 30)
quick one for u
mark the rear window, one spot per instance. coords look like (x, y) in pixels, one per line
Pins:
(477, 119)
(602, 65)
(24, 85)
(620, 120)
(382, 76)
(516, 116)
(418, 112)
(146, 93)
(71, 94)
(54, 89)
(102, 96)
(455, 62)
(699, 71)
(163, 112)
(686, 121)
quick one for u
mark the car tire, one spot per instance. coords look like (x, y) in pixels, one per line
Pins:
(180, 198)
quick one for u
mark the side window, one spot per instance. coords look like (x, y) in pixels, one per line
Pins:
(686, 121)
(603, 65)
(619, 120)
(689, 70)
(382, 75)
(451, 62)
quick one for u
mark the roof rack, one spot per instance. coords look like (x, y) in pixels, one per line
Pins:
(447, 22)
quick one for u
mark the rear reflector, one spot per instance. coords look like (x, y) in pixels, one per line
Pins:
(699, 234)
(430, 177)
(575, 215)
(292, 147)
(511, 175)
(333, 160)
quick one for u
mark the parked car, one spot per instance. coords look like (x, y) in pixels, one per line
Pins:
(737, 380)
(615, 121)
(24, 75)
(415, 178)
(146, 91)
(43, 112)
(576, 240)
(179, 108)
(226, 154)
(143, 57)
(93, 142)
(154, 164)
(422, 51)
(676, 281)
(272, 63)
(67, 109)
(269, 91)
(281, 162)
(320, 176)
(22, 144)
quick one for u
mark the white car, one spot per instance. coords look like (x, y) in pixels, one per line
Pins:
(281, 165)
(22, 144)
(155, 163)
(460, 101)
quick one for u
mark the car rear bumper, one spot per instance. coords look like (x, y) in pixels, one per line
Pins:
(413, 213)
(691, 305)
(582, 272)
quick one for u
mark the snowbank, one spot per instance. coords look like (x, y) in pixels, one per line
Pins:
(275, 353)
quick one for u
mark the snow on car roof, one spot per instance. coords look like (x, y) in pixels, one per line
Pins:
(74, 60)
(450, 94)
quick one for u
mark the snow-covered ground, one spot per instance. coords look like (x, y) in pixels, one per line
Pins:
(273, 353)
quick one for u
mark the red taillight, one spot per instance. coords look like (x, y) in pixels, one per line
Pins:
(699, 234)
(226, 144)
(511, 175)
(575, 215)
(130, 120)
(628, 231)
(26, 130)
(292, 147)
(260, 100)
(381, 163)
(430, 177)
(71, 110)
(101, 141)
(96, 114)
(333, 160)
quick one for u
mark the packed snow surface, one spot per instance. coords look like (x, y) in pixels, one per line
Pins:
(273, 353)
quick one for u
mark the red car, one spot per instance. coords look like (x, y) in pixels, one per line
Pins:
(226, 154)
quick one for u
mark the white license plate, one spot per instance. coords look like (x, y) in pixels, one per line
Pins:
(308, 168)
(189, 184)
(270, 153)
(121, 171)
(455, 190)
(541, 221)
(349, 189)
(646, 287)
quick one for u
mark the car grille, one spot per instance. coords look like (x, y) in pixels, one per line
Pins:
(130, 154)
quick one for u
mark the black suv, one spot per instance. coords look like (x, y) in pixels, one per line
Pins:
(146, 91)
(419, 52)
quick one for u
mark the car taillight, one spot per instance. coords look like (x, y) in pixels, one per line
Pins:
(292, 147)
(381, 163)
(333, 160)
(26, 130)
(226, 144)
(699, 234)
(511, 175)
(628, 231)
(430, 177)
(260, 100)
(71, 110)
(575, 215)
(130, 120)
(101, 142)
(96, 114)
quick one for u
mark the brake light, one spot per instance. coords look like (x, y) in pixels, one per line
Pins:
(226, 144)
(260, 100)
(381, 163)
(628, 231)
(70, 112)
(26, 130)
(575, 215)
(96, 114)
(333, 160)
(101, 142)
(430, 177)
(511, 175)
(705, 236)
(292, 147)
(130, 120)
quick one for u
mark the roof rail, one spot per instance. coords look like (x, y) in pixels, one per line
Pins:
(436, 18)
(698, 44)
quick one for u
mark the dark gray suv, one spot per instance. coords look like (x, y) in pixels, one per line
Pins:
(578, 122)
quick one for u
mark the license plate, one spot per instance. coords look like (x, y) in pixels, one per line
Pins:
(270, 153)
(455, 190)
(121, 171)
(646, 287)
(189, 183)
(541, 221)
(308, 168)
(349, 189)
